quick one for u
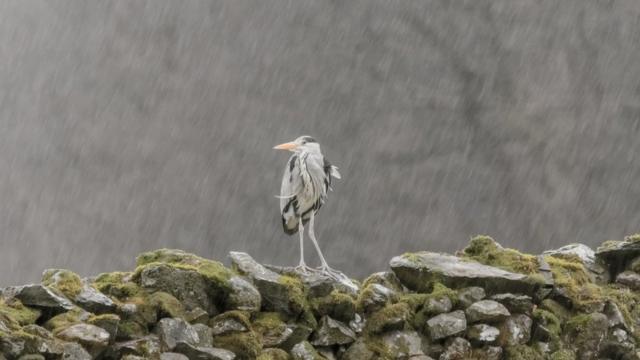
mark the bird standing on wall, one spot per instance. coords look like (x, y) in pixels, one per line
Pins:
(305, 184)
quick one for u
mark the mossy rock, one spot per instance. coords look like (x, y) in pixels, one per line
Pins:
(108, 322)
(64, 320)
(65, 281)
(271, 328)
(585, 332)
(391, 317)
(522, 352)
(17, 312)
(274, 354)
(563, 354)
(487, 251)
(117, 284)
(246, 345)
(337, 305)
(167, 305)
(572, 277)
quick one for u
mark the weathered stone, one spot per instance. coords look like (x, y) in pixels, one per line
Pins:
(359, 351)
(488, 353)
(108, 322)
(196, 316)
(205, 335)
(42, 297)
(629, 279)
(73, 351)
(176, 331)
(132, 357)
(305, 351)
(597, 269)
(93, 338)
(227, 324)
(515, 330)
(274, 354)
(617, 254)
(173, 356)
(613, 313)
(203, 353)
(418, 271)
(445, 325)
(438, 305)
(332, 332)
(456, 349)
(277, 293)
(483, 334)
(374, 297)
(468, 296)
(585, 334)
(167, 305)
(94, 301)
(515, 303)
(188, 286)
(148, 346)
(486, 310)
(391, 317)
(243, 295)
(298, 334)
(403, 344)
(385, 278)
(618, 345)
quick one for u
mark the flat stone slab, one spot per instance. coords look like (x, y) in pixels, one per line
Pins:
(418, 271)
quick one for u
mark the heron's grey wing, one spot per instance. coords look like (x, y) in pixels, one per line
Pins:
(289, 192)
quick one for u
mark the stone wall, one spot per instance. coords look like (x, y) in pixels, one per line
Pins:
(485, 302)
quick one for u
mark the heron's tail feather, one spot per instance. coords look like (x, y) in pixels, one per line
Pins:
(335, 173)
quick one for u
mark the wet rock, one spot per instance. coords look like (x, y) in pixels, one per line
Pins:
(374, 297)
(245, 344)
(488, 353)
(204, 353)
(438, 305)
(391, 317)
(332, 332)
(617, 254)
(515, 303)
(486, 310)
(176, 331)
(445, 325)
(483, 334)
(585, 334)
(188, 286)
(148, 346)
(337, 305)
(515, 330)
(205, 335)
(403, 344)
(629, 279)
(93, 338)
(73, 351)
(298, 334)
(418, 271)
(243, 295)
(42, 297)
(173, 356)
(470, 295)
(108, 322)
(305, 351)
(456, 349)
(359, 351)
(273, 330)
(225, 323)
(279, 293)
(94, 301)
(595, 266)
(167, 305)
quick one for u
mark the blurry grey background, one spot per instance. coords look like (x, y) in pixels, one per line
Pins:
(127, 126)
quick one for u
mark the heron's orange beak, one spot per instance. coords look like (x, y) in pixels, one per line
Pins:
(286, 146)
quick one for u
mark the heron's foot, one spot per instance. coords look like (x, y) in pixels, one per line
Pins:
(332, 273)
(303, 269)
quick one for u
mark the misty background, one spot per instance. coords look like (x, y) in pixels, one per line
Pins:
(127, 126)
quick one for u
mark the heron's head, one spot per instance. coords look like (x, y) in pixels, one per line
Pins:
(301, 144)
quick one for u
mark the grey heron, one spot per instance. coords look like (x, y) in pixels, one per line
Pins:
(305, 184)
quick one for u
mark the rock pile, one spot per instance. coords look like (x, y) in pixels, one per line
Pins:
(486, 302)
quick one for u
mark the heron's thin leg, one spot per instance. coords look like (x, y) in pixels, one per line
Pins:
(302, 266)
(325, 267)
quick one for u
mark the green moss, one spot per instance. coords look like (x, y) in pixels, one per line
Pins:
(548, 320)
(19, 313)
(269, 325)
(64, 320)
(274, 354)
(211, 270)
(607, 245)
(522, 352)
(116, 284)
(563, 355)
(485, 250)
(389, 317)
(552, 306)
(632, 238)
(65, 281)
(236, 315)
(298, 304)
(337, 305)
(167, 305)
(246, 345)
(129, 329)
(575, 280)
(628, 303)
